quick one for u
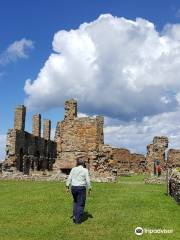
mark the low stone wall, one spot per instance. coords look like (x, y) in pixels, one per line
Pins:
(50, 176)
(34, 176)
(174, 185)
(155, 180)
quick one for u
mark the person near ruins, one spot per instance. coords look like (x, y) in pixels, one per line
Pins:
(159, 170)
(78, 182)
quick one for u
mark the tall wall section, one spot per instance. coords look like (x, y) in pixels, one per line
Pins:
(126, 162)
(173, 158)
(77, 137)
(26, 151)
(83, 138)
(156, 153)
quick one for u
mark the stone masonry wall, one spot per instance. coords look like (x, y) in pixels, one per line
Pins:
(47, 129)
(137, 163)
(173, 158)
(19, 118)
(121, 157)
(174, 185)
(74, 138)
(78, 138)
(126, 162)
(156, 151)
(36, 125)
(82, 138)
(101, 164)
(70, 110)
(26, 151)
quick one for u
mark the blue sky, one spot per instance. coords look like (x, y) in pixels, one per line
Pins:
(38, 21)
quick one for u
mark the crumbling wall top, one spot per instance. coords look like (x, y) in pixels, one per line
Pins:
(70, 109)
(36, 125)
(19, 118)
(161, 141)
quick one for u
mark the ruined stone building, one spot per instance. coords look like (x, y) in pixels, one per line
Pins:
(29, 151)
(77, 137)
(83, 137)
(156, 154)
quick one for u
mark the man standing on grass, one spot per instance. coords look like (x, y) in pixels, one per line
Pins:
(79, 181)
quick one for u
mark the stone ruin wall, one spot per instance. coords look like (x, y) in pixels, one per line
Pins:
(81, 138)
(158, 151)
(27, 152)
(173, 158)
(126, 162)
(77, 138)
(74, 138)
(174, 185)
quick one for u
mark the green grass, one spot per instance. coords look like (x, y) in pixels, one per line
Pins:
(42, 210)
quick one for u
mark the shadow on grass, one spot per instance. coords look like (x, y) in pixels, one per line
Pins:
(86, 216)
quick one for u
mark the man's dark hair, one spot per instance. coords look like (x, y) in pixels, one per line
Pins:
(80, 162)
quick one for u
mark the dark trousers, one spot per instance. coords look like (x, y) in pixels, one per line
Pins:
(79, 197)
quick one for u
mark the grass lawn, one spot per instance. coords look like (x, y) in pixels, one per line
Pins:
(42, 210)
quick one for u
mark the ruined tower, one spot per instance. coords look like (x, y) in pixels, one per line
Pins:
(156, 153)
(36, 125)
(47, 129)
(100, 132)
(19, 118)
(25, 151)
(70, 110)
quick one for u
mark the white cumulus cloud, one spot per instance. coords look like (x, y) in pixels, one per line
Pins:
(113, 66)
(137, 135)
(123, 69)
(16, 50)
